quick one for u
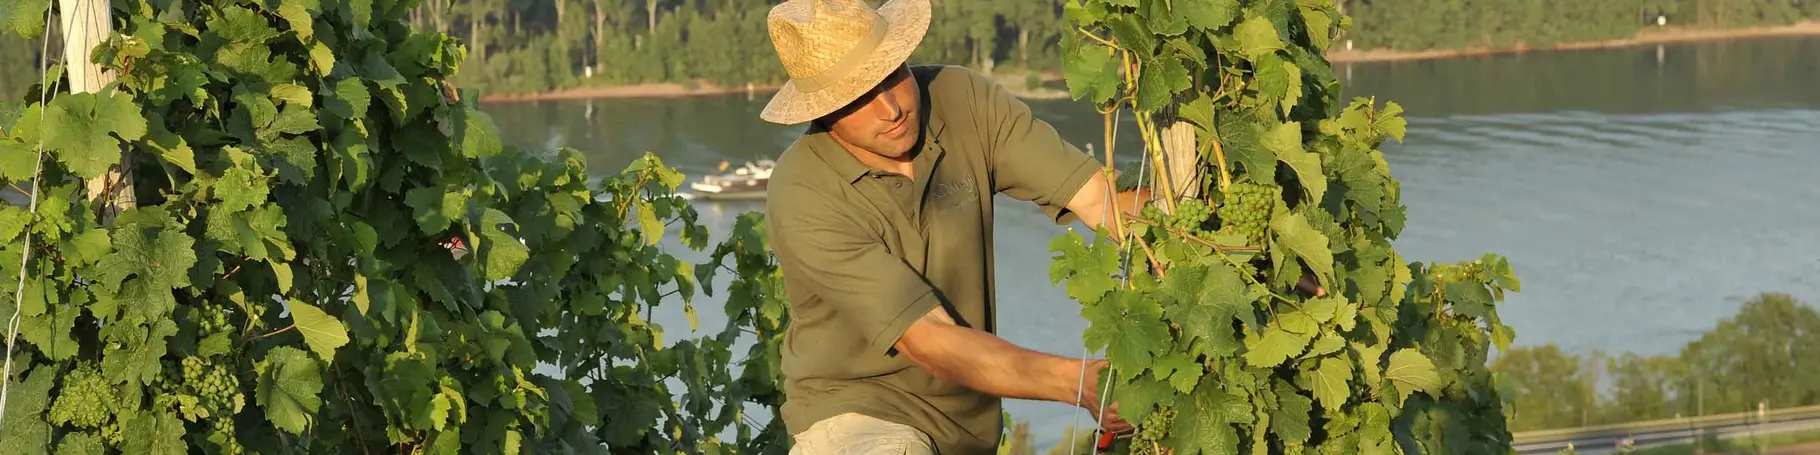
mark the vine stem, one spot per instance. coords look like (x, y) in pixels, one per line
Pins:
(1219, 160)
(1096, 37)
(283, 330)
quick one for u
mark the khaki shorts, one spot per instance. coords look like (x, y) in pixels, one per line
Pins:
(853, 433)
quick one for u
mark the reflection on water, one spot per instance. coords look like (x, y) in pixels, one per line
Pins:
(1640, 194)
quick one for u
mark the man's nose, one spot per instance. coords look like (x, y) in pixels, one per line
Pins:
(889, 109)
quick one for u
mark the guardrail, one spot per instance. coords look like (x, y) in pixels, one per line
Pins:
(1664, 431)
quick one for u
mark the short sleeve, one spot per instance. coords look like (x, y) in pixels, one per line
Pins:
(862, 284)
(1028, 158)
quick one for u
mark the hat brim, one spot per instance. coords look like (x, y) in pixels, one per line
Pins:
(908, 21)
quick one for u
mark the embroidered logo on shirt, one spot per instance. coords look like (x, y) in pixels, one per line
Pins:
(951, 195)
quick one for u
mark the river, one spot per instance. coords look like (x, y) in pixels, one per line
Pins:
(1640, 193)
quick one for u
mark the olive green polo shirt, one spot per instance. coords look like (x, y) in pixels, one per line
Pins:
(866, 252)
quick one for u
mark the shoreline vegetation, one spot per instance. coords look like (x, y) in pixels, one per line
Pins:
(1014, 80)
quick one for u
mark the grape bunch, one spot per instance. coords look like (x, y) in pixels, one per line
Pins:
(211, 319)
(1189, 215)
(1152, 430)
(214, 384)
(1245, 212)
(84, 400)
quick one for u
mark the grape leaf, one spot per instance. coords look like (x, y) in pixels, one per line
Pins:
(17, 159)
(1320, 27)
(1200, 112)
(50, 331)
(1209, 14)
(25, 18)
(1289, 420)
(297, 13)
(434, 209)
(1135, 399)
(12, 222)
(1285, 140)
(1322, 309)
(1243, 144)
(1159, 83)
(1091, 70)
(79, 444)
(1204, 423)
(349, 99)
(237, 24)
(1091, 271)
(84, 130)
(292, 93)
(157, 432)
(322, 60)
(1130, 328)
(1329, 382)
(1181, 370)
(1163, 21)
(478, 137)
(1132, 33)
(83, 249)
(1328, 343)
(25, 405)
(1389, 121)
(289, 388)
(1292, 93)
(1222, 297)
(173, 149)
(165, 260)
(1277, 345)
(1412, 372)
(1293, 232)
(137, 359)
(504, 253)
(324, 333)
(1257, 36)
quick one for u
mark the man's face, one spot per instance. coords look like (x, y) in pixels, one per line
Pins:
(883, 121)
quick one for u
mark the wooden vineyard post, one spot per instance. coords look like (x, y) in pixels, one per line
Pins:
(86, 24)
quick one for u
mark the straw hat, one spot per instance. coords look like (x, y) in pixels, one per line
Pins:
(837, 50)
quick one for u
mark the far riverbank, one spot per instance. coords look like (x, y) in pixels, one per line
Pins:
(1014, 80)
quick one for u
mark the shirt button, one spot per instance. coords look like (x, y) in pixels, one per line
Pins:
(897, 183)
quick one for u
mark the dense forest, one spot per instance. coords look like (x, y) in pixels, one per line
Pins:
(532, 46)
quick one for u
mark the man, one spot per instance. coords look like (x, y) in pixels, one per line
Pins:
(881, 216)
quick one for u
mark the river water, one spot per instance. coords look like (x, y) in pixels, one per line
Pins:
(1640, 193)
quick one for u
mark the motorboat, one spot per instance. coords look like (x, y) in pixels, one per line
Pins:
(744, 182)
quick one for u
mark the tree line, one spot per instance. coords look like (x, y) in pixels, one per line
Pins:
(1469, 24)
(533, 46)
(1769, 353)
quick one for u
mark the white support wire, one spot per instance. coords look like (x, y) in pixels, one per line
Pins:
(12, 326)
(1080, 387)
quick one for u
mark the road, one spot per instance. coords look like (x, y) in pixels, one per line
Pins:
(1603, 439)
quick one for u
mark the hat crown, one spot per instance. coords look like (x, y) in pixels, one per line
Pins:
(813, 37)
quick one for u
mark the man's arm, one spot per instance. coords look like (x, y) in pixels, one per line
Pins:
(1094, 203)
(990, 365)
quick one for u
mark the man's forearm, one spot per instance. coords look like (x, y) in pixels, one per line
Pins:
(989, 364)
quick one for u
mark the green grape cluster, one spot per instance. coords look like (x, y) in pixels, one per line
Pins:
(84, 400)
(212, 320)
(1189, 215)
(213, 384)
(1245, 210)
(1152, 431)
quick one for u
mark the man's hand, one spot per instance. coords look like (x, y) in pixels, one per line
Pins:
(1108, 417)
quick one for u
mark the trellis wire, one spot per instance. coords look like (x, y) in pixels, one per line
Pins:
(12, 326)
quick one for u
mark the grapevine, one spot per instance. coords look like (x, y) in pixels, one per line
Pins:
(282, 283)
(1273, 314)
